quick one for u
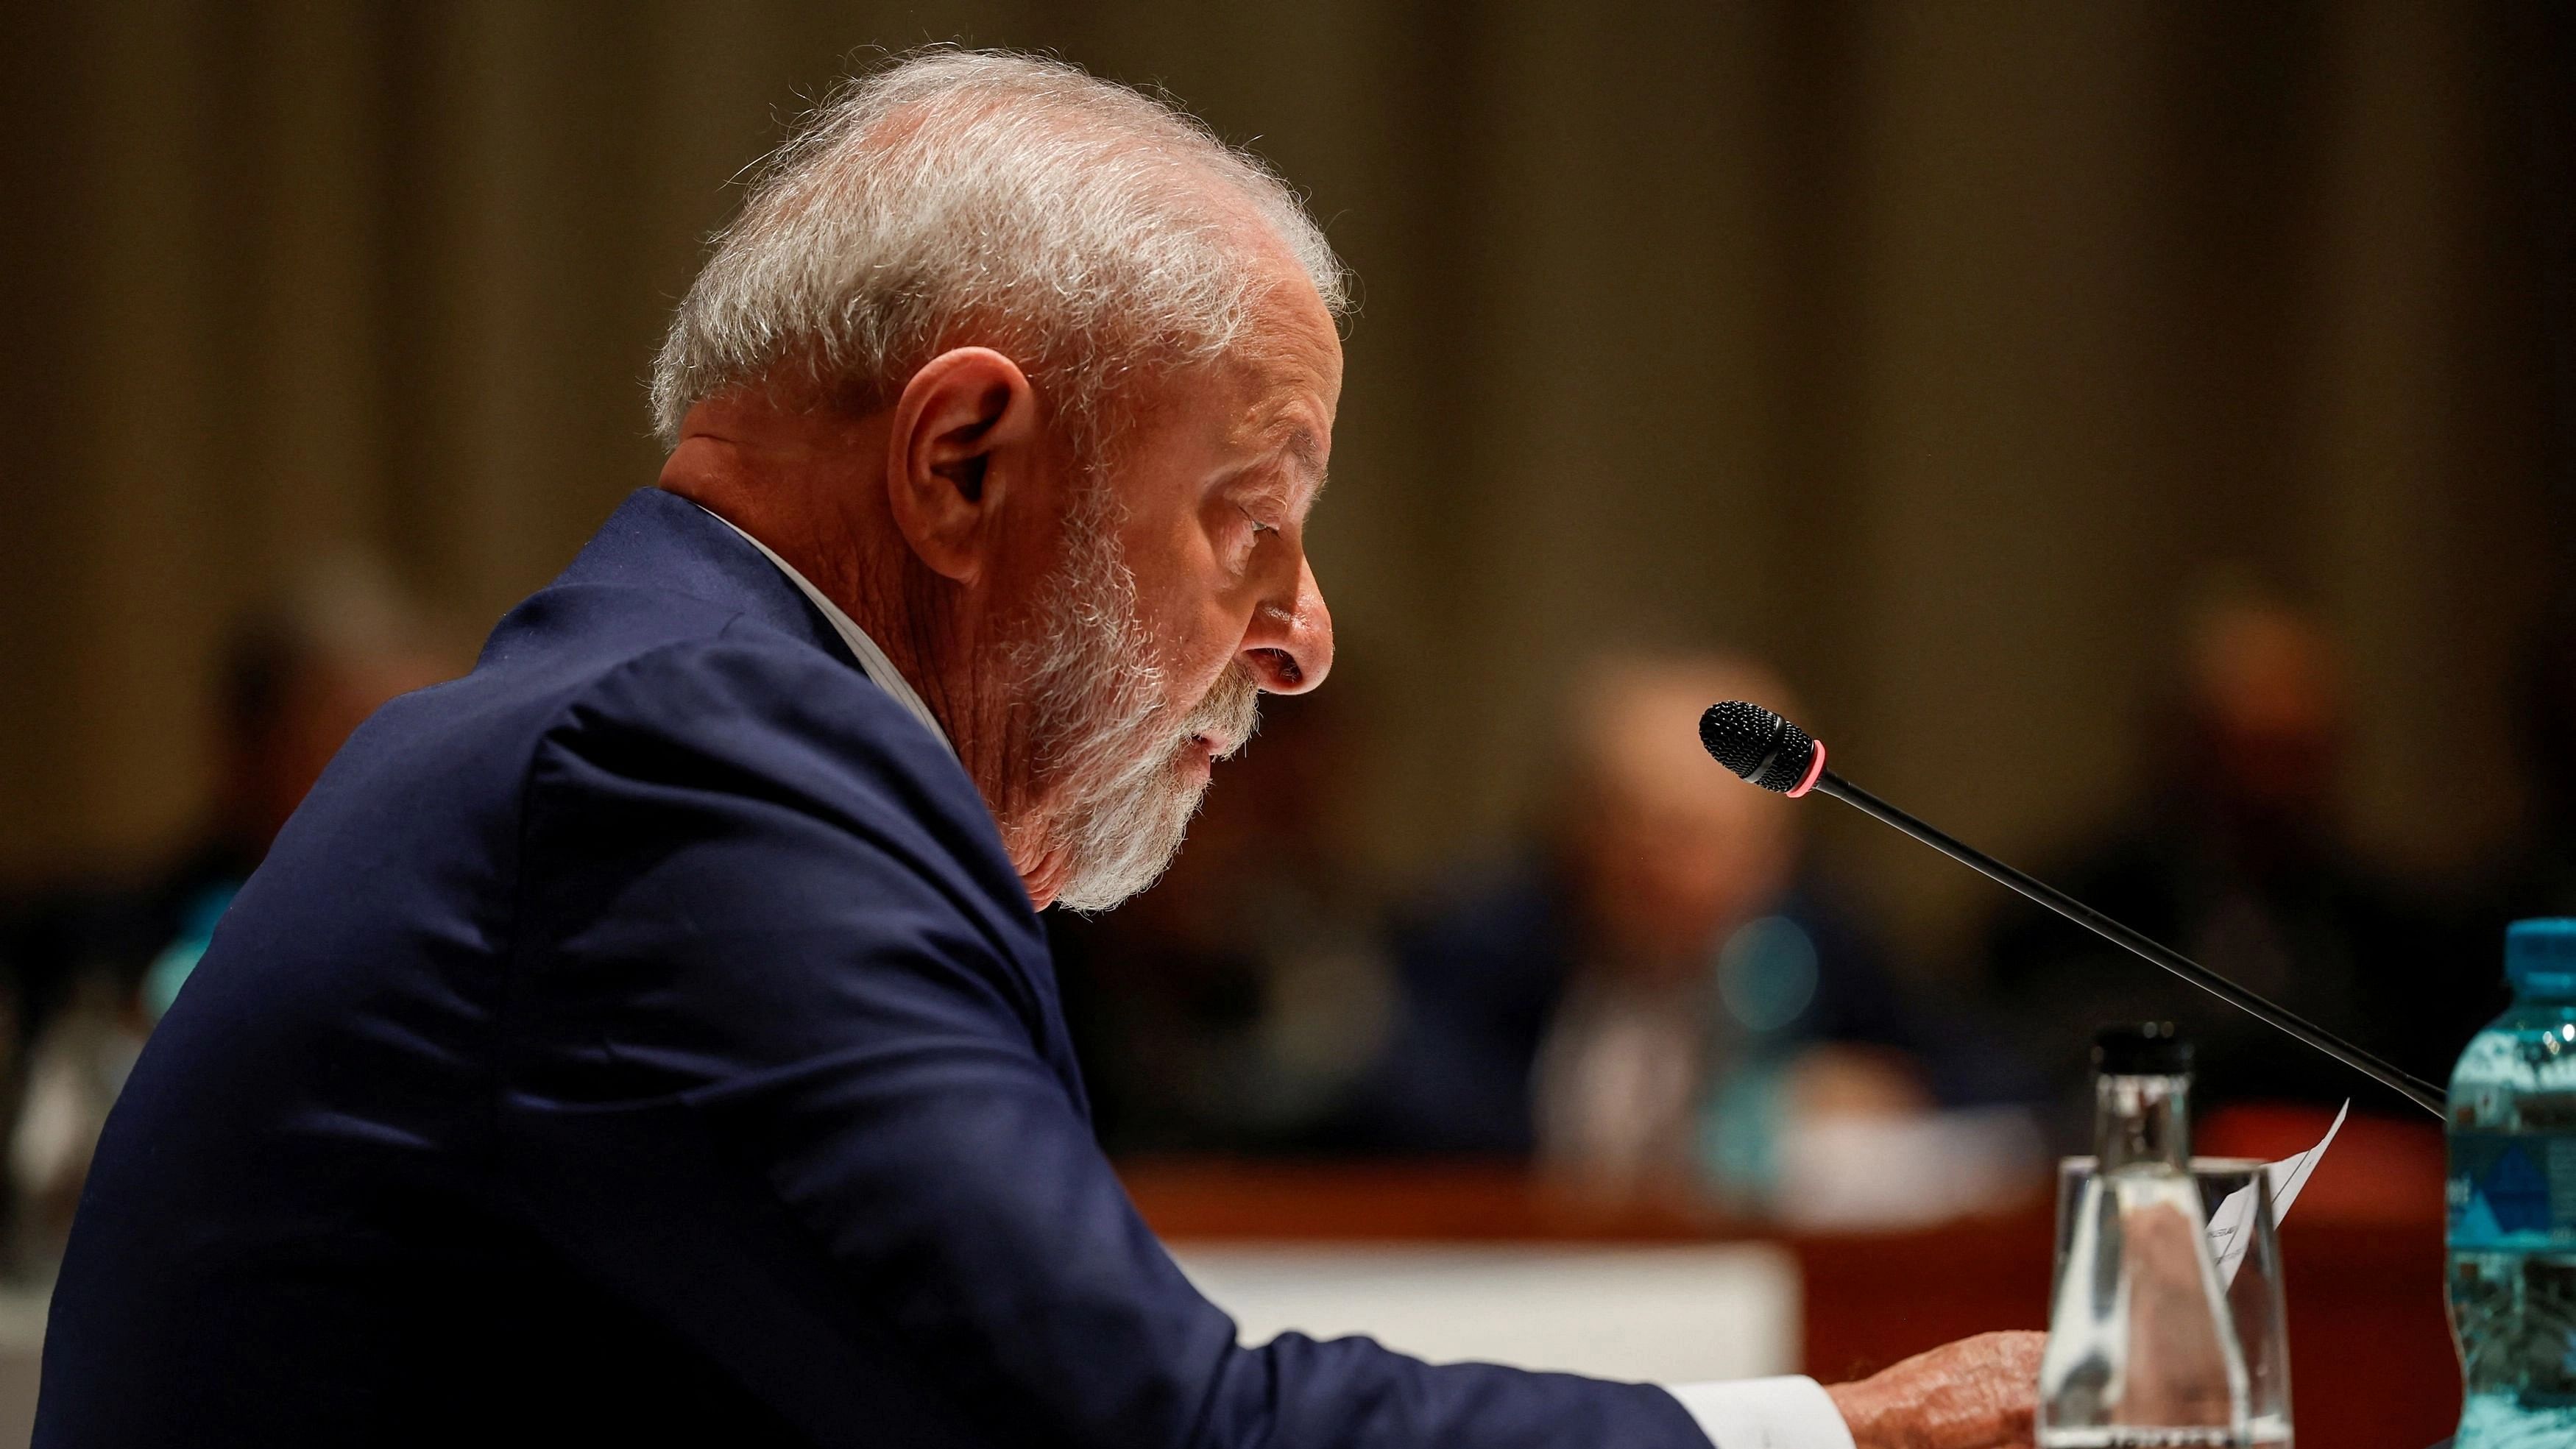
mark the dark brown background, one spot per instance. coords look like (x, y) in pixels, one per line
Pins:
(1937, 350)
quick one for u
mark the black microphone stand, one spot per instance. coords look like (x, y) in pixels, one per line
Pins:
(2422, 1093)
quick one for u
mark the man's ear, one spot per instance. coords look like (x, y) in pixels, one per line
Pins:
(966, 438)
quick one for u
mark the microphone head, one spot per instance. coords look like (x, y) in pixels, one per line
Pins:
(1762, 747)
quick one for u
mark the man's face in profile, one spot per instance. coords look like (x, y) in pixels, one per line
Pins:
(1180, 592)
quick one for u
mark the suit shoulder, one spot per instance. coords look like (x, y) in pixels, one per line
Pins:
(771, 790)
(746, 691)
(750, 713)
(592, 656)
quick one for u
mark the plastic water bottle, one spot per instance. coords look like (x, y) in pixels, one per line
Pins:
(2513, 1203)
(2141, 1348)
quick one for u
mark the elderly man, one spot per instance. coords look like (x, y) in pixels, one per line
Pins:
(649, 1039)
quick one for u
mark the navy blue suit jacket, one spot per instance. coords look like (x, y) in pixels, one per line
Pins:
(646, 1040)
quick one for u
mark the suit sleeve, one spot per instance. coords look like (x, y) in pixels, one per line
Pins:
(785, 1077)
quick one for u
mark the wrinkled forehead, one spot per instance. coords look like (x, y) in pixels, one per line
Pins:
(1303, 346)
(1282, 392)
(1291, 338)
(1278, 382)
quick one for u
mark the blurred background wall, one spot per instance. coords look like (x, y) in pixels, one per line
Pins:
(1937, 352)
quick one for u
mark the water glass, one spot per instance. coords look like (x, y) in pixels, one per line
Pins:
(2254, 1297)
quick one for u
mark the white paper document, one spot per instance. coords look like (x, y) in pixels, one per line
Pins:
(2229, 1227)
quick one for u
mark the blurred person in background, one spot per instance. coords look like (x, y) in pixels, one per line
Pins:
(2234, 858)
(1664, 990)
(90, 967)
(1231, 1007)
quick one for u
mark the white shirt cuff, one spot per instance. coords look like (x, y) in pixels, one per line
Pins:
(1782, 1413)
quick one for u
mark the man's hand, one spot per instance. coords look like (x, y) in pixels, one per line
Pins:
(1978, 1393)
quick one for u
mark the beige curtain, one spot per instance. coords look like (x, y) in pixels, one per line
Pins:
(1933, 350)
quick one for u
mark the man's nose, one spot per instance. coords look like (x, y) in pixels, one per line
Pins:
(1289, 646)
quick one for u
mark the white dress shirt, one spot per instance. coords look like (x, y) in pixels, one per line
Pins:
(1781, 1413)
(1791, 1412)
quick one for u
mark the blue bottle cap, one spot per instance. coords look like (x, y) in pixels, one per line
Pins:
(2540, 957)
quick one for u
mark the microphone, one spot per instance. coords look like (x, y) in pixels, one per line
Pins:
(1771, 752)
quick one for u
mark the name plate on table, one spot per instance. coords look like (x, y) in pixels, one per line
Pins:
(1672, 1315)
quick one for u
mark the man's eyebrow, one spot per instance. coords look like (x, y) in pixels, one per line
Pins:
(1306, 450)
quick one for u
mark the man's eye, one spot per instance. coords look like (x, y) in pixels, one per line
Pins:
(1254, 519)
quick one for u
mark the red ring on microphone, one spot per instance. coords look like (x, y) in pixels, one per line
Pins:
(1815, 772)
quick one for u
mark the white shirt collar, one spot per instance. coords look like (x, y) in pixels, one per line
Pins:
(871, 659)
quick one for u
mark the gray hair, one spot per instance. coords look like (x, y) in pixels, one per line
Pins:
(955, 197)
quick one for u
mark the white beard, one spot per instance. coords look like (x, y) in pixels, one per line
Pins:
(1090, 684)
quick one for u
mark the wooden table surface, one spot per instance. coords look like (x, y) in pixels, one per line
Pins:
(2372, 1365)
